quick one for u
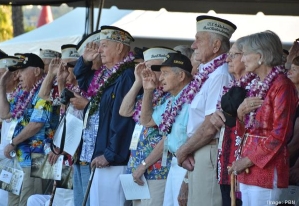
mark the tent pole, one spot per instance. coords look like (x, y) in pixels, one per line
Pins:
(91, 16)
(99, 14)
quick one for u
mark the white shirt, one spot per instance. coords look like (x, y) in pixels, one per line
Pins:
(205, 101)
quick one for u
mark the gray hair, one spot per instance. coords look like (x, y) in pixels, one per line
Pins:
(178, 69)
(185, 50)
(267, 44)
(239, 43)
(225, 45)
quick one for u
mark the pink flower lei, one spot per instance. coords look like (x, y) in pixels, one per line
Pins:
(242, 82)
(188, 94)
(24, 99)
(98, 79)
(158, 94)
(260, 89)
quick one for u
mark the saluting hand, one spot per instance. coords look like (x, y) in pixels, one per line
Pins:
(90, 51)
(149, 79)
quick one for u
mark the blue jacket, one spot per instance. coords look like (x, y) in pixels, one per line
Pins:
(115, 132)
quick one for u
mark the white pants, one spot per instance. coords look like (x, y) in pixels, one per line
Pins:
(3, 197)
(173, 183)
(254, 195)
(106, 188)
(38, 200)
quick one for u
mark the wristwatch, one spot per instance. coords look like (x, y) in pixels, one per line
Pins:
(11, 142)
(186, 180)
(143, 163)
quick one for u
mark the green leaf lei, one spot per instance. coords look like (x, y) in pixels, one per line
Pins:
(96, 99)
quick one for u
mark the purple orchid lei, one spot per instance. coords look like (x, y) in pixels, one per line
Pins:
(158, 94)
(188, 94)
(24, 99)
(260, 89)
(99, 79)
(243, 82)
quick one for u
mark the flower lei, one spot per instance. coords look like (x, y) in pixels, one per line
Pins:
(158, 94)
(187, 95)
(106, 80)
(243, 82)
(24, 99)
(260, 89)
(99, 79)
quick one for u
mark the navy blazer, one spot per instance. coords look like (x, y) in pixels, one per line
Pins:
(115, 132)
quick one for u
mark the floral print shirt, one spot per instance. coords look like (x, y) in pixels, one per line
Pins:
(148, 139)
(40, 111)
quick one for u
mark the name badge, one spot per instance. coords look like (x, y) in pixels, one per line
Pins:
(86, 117)
(221, 137)
(165, 152)
(5, 176)
(135, 137)
(11, 129)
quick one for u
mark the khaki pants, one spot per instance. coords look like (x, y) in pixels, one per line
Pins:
(30, 186)
(156, 189)
(203, 187)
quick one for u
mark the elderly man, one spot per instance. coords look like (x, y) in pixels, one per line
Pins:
(170, 117)
(110, 132)
(30, 117)
(210, 45)
(11, 86)
(146, 138)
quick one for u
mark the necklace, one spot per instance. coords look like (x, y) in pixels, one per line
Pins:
(260, 89)
(99, 78)
(157, 97)
(188, 94)
(24, 99)
(108, 78)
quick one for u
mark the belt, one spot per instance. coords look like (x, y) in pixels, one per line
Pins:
(213, 142)
(83, 163)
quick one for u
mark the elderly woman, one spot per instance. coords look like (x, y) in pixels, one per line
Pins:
(265, 127)
(228, 144)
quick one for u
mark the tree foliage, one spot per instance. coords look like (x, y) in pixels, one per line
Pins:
(6, 30)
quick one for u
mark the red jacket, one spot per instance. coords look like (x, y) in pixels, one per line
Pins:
(274, 122)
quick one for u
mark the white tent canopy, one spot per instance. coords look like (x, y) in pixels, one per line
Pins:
(68, 29)
(149, 28)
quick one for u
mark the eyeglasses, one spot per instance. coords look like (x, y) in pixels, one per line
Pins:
(233, 55)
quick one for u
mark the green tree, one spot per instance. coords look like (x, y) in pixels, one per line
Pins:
(6, 30)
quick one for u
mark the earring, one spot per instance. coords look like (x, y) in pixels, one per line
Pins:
(259, 62)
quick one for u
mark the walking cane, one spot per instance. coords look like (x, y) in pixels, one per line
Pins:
(88, 186)
(233, 187)
(53, 193)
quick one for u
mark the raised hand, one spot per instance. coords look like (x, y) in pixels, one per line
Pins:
(54, 66)
(149, 79)
(138, 72)
(294, 51)
(62, 74)
(91, 51)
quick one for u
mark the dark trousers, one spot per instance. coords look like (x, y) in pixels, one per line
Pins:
(225, 193)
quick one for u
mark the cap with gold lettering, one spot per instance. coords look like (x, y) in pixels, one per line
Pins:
(175, 60)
